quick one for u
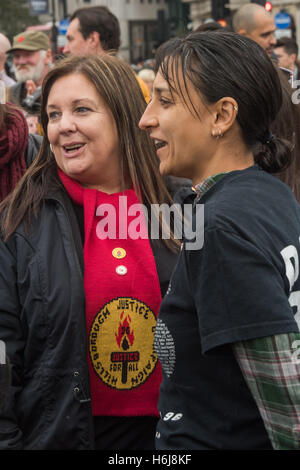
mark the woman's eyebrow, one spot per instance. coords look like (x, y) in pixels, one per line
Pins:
(161, 89)
(75, 102)
(80, 100)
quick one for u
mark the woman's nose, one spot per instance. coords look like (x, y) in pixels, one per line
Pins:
(148, 119)
(67, 123)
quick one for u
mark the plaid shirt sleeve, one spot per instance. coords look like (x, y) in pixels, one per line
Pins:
(271, 368)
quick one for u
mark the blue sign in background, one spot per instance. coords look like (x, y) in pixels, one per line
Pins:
(282, 20)
(63, 26)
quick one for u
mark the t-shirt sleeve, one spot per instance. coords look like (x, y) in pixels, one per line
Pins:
(239, 293)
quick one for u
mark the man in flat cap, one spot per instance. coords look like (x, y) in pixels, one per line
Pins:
(32, 60)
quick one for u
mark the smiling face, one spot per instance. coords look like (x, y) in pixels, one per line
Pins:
(30, 65)
(83, 133)
(183, 140)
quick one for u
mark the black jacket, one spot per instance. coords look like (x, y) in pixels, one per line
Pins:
(42, 321)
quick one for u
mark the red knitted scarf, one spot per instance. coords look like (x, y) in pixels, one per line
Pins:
(13, 142)
(122, 301)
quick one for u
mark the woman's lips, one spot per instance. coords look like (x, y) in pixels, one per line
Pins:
(159, 145)
(73, 150)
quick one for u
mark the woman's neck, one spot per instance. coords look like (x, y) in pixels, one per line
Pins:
(227, 158)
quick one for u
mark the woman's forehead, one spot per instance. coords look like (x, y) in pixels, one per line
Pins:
(171, 77)
(177, 83)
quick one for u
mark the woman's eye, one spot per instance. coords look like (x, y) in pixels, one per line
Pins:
(164, 102)
(53, 115)
(82, 109)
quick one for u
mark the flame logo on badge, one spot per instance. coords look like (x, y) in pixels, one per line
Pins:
(124, 333)
(121, 343)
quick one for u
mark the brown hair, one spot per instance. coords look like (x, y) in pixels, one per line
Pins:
(116, 83)
(287, 126)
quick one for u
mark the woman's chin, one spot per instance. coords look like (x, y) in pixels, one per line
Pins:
(168, 170)
(74, 170)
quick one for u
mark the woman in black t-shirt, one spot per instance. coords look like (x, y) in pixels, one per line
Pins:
(227, 332)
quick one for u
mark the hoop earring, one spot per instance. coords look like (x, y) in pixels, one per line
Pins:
(220, 134)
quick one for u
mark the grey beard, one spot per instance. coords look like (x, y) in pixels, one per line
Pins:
(34, 73)
(23, 76)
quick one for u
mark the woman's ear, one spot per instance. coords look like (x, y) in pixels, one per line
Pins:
(225, 113)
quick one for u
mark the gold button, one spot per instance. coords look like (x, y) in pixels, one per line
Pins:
(121, 270)
(119, 253)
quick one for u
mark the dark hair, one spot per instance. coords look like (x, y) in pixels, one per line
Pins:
(101, 20)
(289, 45)
(287, 126)
(227, 64)
(116, 83)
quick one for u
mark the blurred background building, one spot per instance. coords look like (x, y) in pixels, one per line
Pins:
(286, 12)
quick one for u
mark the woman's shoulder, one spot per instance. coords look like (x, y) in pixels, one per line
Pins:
(248, 197)
(36, 227)
(244, 187)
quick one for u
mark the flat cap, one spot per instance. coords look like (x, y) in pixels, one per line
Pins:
(30, 41)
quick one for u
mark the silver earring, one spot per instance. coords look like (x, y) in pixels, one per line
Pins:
(220, 134)
(51, 148)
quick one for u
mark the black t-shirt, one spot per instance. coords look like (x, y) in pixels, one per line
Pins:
(242, 284)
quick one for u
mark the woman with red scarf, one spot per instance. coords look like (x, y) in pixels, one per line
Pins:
(81, 280)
